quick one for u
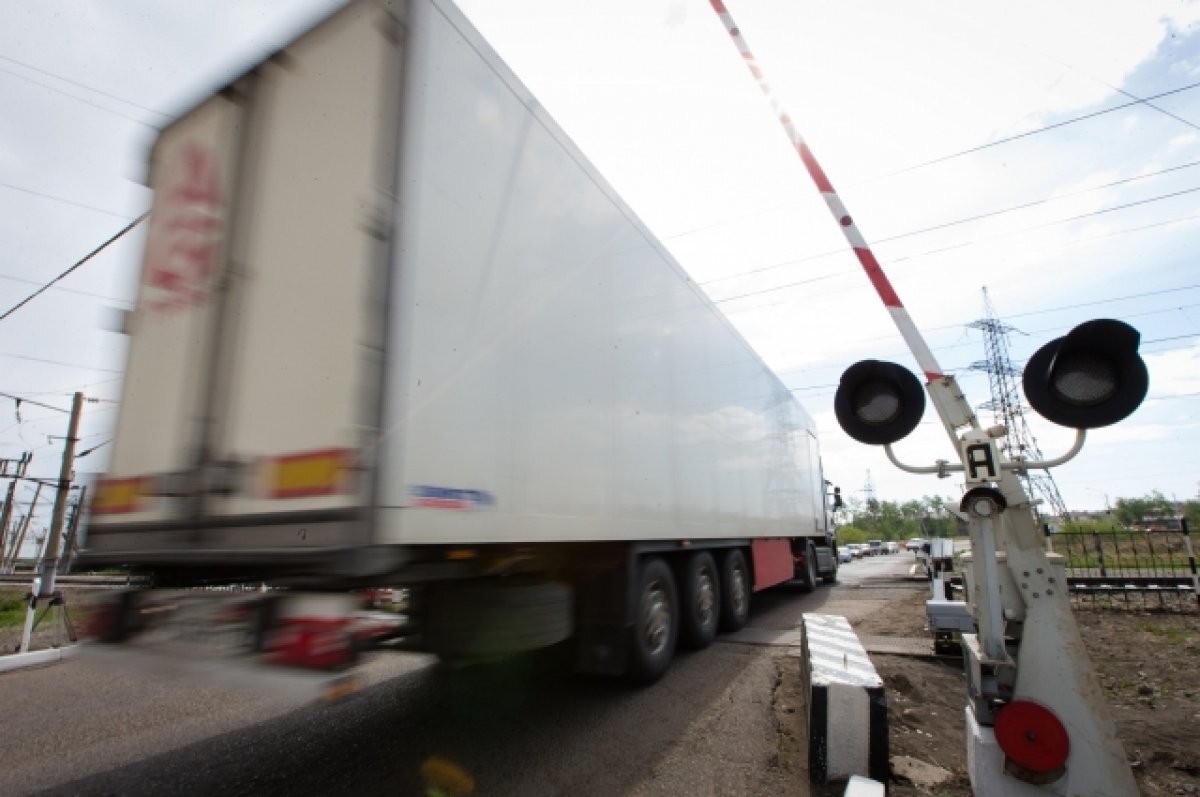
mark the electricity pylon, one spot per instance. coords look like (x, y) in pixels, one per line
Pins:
(1008, 410)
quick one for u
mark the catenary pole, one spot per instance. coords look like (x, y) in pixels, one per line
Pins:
(15, 554)
(50, 561)
(5, 516)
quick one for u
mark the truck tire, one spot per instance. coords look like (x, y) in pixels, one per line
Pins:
(699, 597)
(495, 618)
(735, 590)
(831, 576)
(655, 622)
(808, 571)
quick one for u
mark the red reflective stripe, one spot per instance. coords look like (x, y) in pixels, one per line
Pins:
(310, 473)
(118, 496)
(814, 169)
(879, 280)
(907, 329)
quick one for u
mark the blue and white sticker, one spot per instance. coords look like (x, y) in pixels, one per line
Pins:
(430, 496)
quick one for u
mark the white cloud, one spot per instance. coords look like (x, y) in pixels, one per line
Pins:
(1174, 373)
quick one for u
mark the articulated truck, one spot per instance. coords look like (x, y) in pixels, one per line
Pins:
(394, 330)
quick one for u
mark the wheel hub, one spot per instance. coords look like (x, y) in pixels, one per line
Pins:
(656, 617)
(706, 597)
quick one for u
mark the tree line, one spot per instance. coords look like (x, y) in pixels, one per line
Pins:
(860, 520)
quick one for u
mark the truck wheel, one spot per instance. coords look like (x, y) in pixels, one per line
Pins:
(831, 576)
(808, 573)
(735, 590)
(700, 598)
(655, 622)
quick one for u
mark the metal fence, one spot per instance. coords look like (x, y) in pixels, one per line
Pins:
(1130, 569)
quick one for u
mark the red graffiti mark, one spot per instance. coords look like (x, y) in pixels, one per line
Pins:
(181, 255)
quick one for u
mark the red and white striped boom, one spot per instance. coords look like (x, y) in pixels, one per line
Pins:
(883, 286)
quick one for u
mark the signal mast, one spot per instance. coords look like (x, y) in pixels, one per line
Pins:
(1037, 721)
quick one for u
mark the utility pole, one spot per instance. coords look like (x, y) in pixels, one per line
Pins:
(44, 588)
(50, 562)
(70, 544)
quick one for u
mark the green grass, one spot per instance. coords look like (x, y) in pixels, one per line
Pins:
(12, 609)
(1172, 634)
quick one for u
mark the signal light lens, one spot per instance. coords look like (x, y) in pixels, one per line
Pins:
(1091, 377)
(878, 403)
(1033, 738)
(1084, 379)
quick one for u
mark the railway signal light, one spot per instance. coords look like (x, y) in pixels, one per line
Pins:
(878, 403)
(1092, 377)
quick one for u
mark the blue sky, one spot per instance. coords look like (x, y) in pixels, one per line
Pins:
(1091, 218)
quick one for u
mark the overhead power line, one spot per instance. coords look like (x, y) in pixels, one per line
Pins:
(980, 217)
(60, 362)
(78, 263)
(964, 244)
(1037, 131)
(92, 89)
(24, 400)
(1043, 311)
(64, 289)
(1043, 201)
(56, 90)
(72, 202)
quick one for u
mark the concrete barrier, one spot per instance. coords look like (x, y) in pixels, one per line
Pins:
(847, 707)
(37, 658)
(858, 786)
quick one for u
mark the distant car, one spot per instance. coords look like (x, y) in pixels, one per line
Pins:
(855, 550)
(845, 554)
(892, 547)
(914, 544)
(875, 547)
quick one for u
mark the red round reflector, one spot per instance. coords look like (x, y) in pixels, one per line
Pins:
(1032, 737)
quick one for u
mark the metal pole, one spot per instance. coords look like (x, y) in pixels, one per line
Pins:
(16, 551)
(50, 562)
(4, 518)
(71, 544)
(1187, 542)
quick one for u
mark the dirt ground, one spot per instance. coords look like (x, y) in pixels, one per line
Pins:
(1147, 662)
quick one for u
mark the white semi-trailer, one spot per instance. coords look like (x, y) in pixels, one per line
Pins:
(393, 329)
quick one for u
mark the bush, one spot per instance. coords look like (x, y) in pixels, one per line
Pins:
(847, 534)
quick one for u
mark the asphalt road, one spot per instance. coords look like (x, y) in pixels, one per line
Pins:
(522, 727)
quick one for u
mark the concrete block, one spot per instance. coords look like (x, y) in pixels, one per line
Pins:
(847, 706)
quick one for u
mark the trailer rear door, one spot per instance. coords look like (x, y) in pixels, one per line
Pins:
(249, 409)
